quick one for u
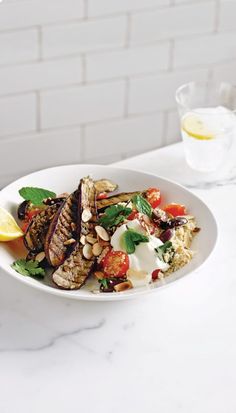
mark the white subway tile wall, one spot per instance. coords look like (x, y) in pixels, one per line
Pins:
(18, 115)
(128, 135)
(103, 7)
(18, 46)
(172, 22)
(94, 80)
(39, 145)
(30, 13)
(79, 105)
(152, 93)
(68, 39)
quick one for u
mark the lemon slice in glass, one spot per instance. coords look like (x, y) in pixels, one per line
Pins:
(9, 230)
(195, 127)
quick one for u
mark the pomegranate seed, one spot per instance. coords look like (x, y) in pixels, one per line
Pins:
(155, 274)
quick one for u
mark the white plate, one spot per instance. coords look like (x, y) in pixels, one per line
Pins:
(65, 179)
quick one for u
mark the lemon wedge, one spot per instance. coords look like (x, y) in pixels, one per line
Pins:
(9, 230)
(194, 126)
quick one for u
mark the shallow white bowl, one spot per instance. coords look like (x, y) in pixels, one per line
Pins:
(66, 178)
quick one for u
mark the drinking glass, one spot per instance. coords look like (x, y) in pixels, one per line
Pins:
(207, 113)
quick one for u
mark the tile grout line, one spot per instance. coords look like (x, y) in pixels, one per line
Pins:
(84, 69)
(80, 20)
(89, 18)
(113, 80)
(40, 44)
(128, 31)
(217, 16)
(171, 55)
(86, 9)
(126, 97)
(74, 127)
(82, 141)
(66, 56)
(38, 111)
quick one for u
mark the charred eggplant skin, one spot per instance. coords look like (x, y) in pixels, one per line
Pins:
(35, 235)
(53, 201)
(75, 270)
(115, 199)
(63, 227)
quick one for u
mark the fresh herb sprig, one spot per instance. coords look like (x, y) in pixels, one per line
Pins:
(163, 249)
(103, 282)
(114, 215)
(28, 268)
(132, 238)
(36, 195)
(142, 205)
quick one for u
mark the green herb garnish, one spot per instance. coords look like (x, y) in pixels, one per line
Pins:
(142, 205)
(114, 215)
(132, 238)
(29, 268)
(36, 195)
(163, 249)
(103, 282)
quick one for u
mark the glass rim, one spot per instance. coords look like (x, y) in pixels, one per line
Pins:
(181, 87)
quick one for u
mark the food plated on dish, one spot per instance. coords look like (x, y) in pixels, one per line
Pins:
(66, 178)
(122, 240)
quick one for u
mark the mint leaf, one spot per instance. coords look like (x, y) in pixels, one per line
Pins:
(163, 249)
(142, 205)
(28, 268)
(132, 238)
(114, 215)
(36, 195)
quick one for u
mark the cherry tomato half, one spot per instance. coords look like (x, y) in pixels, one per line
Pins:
(116, 264)
(24, 226)
(153, 196)
(175, 209)
(32, 212)
(29, 216)
(132, 215)
(102, 195)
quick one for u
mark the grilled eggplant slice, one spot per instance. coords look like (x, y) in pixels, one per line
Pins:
(63, 228)
(115, 199)
(73, 273)
(37, 230)
(105, 185)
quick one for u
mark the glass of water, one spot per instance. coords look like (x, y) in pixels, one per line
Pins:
(208, 122)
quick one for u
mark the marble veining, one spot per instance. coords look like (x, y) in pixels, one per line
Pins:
(170, 352)
(54, 340)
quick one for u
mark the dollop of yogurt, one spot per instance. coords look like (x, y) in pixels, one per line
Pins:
(144, 260)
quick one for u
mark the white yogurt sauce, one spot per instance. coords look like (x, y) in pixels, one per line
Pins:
(144, 259)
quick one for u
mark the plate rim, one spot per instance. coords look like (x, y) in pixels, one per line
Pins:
(68, 294)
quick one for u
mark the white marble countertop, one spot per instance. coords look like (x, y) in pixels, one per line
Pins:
(174, 351)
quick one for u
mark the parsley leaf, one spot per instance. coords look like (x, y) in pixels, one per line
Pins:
(132, 238)
(114, 215)
(142, 205)
(163, 249)
(36, 195)
(29, 268)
